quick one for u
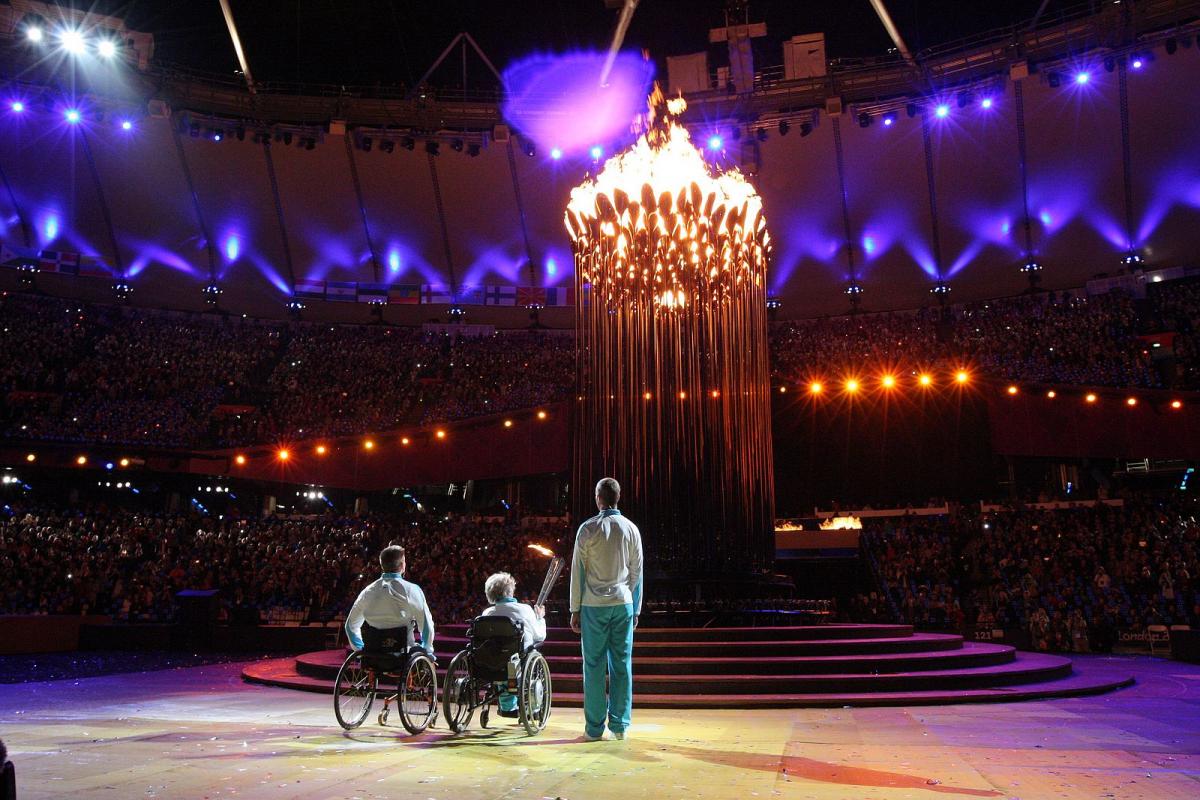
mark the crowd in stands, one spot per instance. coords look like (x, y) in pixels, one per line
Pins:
(1047, 338)
(116, 375)
(130, 564)
(1069, 578)
(120, 375)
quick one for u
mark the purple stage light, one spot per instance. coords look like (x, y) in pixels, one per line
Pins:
(72, 115)
(126, 125)
(17, 106)
(596, 152)
(1082, 77)
(558, 101)
(715, 143)
(555, 153)
(986, 102)
(889, 120)
(1137, 63)
(942, 111)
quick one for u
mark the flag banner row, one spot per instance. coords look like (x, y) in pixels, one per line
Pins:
(435, 294)
(61, 262)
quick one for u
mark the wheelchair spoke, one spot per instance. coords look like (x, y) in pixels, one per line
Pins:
(354, 692)
(418, 694)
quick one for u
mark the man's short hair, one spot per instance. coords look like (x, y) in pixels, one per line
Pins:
(609, 491)
(391, 557)
(500, 586)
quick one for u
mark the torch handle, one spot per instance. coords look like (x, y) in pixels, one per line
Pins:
(552, 573)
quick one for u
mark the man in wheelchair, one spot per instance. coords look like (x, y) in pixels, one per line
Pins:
(501, 589)
(387, 659)
(391, 602)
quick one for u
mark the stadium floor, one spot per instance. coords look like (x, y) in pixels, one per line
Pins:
(201, 732)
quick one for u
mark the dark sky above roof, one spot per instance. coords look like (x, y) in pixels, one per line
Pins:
(394, 41)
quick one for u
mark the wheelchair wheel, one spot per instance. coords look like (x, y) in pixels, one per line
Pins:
(458, 694)
(534, 693)
(354, 692)
(418, 693)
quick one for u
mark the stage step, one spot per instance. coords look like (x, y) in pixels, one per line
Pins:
(793, 633)
(788, 667)
(325, 663)
(733, 648)
(281, 672)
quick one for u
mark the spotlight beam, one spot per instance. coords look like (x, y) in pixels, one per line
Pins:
(237, 44)
(894, 32)
(618, 38)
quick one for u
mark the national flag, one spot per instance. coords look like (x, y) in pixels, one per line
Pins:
(341, 291)
(14, 256)
(312, 290)
(59, 261)
(372, 292)
(469, 296)
(434, 293)
(499, 295)
(530, 296)
(94, 267)
(560, 296)
(408, 294)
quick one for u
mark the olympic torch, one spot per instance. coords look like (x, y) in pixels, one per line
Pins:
(552, 572)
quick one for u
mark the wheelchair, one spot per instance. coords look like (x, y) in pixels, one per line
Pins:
(387, 665)
(494, 656)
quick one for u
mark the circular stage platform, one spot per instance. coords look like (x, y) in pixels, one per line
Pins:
(777, 667)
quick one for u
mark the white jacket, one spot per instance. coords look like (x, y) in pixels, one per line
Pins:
(606, 569)
(390, 602)
(534, 628)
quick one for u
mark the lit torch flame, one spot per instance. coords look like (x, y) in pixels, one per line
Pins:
(546, 551)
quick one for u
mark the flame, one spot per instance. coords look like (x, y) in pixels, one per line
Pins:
(661, 227)
(841, 524)
(546, 551)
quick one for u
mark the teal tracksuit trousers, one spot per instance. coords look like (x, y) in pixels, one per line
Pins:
(607, 647)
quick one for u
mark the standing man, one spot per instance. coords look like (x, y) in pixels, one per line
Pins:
(606, 599)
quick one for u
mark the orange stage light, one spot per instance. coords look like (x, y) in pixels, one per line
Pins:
(322, 450)
(888, 381)
(81, 460)
(1091, 398)
(852, 385)
(284, 455)
(1013, 390)
(124, 462)
(815, 387)
(541, 415)
(715, 393)
(1176, 404)
(1052, 394)
(441, 434)
(30, 457)
(925, 380)
(240, 459)
(508, 423)
(404, 440)
(962, 376)
(1131, 401)
(683, 395)
(783, 390)
(369, 444)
